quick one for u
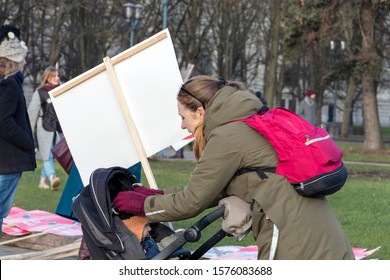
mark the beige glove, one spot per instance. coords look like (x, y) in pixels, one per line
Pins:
(237, 219)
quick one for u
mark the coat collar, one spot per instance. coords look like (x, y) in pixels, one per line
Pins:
(229, 104)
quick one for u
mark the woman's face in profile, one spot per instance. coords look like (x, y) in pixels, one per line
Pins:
(189, 119)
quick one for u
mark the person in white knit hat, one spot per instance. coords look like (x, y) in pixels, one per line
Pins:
(16, 141)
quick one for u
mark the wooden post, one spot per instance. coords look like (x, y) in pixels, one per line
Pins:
(130, 123)
(22, 238)
(54, 253)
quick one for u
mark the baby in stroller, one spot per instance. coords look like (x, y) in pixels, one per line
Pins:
(140, 226)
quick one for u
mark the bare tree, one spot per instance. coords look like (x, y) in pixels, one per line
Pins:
(307, 35)
(236, 39)
(232, 38)
(371, 60)
(273, 54)
(191, 22)
(362, 58)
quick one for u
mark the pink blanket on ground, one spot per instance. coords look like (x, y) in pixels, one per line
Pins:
(250, 253)
(21, 222)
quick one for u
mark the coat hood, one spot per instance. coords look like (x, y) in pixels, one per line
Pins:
(229, 104)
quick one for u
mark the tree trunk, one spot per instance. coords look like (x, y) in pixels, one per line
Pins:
(373, 137)
(55, 45)
(270, 82)
(348, 108)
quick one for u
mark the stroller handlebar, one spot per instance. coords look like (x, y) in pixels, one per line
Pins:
(192, 234)
(209, 218)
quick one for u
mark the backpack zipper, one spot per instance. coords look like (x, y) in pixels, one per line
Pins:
(302, 184)
(308, 141)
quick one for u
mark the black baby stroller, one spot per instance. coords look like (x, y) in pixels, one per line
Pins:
(107, 237)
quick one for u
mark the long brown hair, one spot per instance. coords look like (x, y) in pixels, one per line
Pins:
(197, 92)
(49, 71)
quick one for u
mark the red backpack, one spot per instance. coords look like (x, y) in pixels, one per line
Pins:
(307, 156)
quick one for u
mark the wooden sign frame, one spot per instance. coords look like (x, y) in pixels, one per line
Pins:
(109, 69)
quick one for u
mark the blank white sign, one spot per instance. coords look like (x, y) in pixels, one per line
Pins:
(94, 126)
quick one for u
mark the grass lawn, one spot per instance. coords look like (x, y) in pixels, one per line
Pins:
(362, 206)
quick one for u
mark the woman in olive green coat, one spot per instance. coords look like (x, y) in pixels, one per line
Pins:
(285, 225)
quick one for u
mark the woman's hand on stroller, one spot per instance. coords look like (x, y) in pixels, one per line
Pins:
(237, 218)
(146, 190)
(130, 202)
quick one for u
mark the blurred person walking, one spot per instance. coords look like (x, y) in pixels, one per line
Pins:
(46, 137)
(308, 107)
(16, 140)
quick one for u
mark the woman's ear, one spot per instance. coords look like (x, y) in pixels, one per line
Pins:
(200, 112)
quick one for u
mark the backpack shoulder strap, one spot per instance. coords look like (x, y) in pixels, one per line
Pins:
(259, 171)
(43, 97)
(263, 109)
(41, 93)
